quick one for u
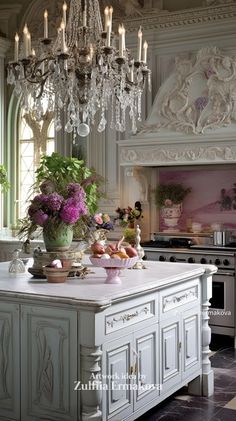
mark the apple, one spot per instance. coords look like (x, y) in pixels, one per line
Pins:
(131, 251)
(97, 248)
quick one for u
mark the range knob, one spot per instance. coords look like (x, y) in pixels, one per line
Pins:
(203, 261)
(162, 259)
(217, 262)
(191, 260)
(172, 259)
(226, 262)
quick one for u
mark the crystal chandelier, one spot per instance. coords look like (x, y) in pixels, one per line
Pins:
(82, 72)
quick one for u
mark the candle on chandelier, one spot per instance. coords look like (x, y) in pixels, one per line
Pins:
(140, 37)
(110, 15)
(106, 15)
(121, 31)
(91, 52)
(63, 38)
(33, 53)
(145, 47)
(108, 33)
(132, 73)
(45, 24)
(16, 55)
(29, 43)
(85, 13)
(64, 9)
(25, 41)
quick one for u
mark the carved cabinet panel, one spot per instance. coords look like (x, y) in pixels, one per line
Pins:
(49, 363)
(191, 340)
(9, 361)
(170, 352)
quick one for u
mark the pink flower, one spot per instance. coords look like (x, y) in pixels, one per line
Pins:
(168, 202)
(98, 218)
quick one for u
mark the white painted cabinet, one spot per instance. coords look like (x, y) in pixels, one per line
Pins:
(126, 353)
(49, 363)
(9, 361)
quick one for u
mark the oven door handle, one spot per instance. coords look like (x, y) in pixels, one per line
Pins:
(224, 273)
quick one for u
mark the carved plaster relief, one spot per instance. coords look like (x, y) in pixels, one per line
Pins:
(199, 96)
(177, 154)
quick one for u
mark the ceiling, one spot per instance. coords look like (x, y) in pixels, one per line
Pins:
(12, 11)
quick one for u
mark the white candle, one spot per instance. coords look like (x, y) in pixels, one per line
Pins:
(29, 43)
(123, 38)
(25, 41)
(91, 52)
(64, 9)
(121, 31)
(33, 52)
(140, 36)
(45, 24)
(145, 47)
(106, 15)
(16, 55)
(108, 33)
(132, 73)
(63, 39)
(110, 15)
(85, 14)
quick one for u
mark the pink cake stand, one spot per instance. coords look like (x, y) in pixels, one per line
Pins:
(113, 267)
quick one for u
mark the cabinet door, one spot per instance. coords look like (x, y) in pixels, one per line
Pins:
(9, 361)
(146, 356)
(49, 364)
(170, 353)
(191, 342)
(117, 374)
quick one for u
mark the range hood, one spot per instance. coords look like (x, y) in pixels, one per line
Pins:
(193, 117)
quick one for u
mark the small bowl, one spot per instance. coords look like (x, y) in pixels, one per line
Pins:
(55, 275)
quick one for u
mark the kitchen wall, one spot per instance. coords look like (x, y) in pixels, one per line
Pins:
(212, 200)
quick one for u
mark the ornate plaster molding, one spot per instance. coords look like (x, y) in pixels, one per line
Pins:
(156, 19)
(199, 96)
(177, 154)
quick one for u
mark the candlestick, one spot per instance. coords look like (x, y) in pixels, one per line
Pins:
(106, 16)
(145, 47)
(64, 9)
(45, 24)
(121, 31)
(29, 43)
(25, 41)
(110, 15)
(16, 55)
(85, 13)
(63, 39)
(139, 264)
(108, 33)
(140, 36)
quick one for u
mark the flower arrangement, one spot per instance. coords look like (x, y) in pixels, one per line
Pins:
(3, 179)
(172, 193)
(128, 215)
(102, 221)
(49, 210)
(66, 193)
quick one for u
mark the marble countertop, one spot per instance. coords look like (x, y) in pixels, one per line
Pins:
(93, 290)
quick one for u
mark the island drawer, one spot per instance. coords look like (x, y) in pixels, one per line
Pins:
(186, 295)
(122, 316)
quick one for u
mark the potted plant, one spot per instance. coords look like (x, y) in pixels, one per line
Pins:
(66, 193)
(5, 185)
(169, 197)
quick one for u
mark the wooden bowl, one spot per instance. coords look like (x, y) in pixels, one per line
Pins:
(56, 275)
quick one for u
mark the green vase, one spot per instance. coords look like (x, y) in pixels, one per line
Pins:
(60, 240)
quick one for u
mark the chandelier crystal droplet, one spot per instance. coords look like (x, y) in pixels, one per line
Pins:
(82, 72)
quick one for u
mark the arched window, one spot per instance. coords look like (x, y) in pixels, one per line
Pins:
(35, 137)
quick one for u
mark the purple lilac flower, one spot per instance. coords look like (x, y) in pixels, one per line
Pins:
(201, 102)
(54, 201)
(75, 190)
(47, 187)
(39, 217)
(69, 214)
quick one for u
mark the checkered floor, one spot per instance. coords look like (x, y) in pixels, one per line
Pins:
(219, 407)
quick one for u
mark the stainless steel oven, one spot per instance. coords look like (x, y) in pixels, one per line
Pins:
(222, 310)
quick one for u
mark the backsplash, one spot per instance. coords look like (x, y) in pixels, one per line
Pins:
(211, 204)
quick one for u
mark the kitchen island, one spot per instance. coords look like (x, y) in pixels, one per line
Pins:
(86, 350)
